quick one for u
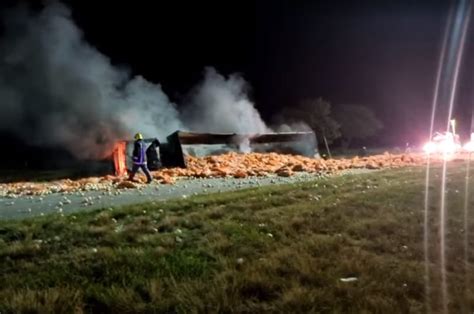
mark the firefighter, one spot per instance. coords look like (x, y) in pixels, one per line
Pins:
(139, 158)
(153, 161)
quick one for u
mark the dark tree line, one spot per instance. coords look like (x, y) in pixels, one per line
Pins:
(342, 122)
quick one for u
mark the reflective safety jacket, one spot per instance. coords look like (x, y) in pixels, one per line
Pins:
(139, 153)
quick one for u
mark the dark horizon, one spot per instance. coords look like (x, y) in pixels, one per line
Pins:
(381, 55)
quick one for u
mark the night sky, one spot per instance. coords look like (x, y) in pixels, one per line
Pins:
(382, 54)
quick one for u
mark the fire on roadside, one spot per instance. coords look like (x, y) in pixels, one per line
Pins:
(120, 158)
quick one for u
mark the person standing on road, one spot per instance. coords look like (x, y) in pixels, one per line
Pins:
(139, 158)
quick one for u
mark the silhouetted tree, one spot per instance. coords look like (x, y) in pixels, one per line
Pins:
(316, 113)
(356, 122)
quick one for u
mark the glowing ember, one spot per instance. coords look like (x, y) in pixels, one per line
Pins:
(120, 158)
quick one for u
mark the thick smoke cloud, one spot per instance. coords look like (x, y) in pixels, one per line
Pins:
(57, 90)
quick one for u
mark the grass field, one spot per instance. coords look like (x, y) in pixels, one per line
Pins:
(274, 249)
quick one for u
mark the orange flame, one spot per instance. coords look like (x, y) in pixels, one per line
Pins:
(120, 157)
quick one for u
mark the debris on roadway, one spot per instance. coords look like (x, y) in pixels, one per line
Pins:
(227, 165)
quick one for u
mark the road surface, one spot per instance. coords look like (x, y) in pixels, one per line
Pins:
(29, 206)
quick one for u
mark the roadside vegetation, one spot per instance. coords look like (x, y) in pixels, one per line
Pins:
(272, 249)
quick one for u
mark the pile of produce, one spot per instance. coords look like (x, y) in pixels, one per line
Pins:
(257, 164)
(226, 165)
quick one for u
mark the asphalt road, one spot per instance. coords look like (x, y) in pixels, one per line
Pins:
(29, 206)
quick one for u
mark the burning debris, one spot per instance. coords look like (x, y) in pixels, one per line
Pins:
(119, 156)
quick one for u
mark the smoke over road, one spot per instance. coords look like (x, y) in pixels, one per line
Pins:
(58, 90)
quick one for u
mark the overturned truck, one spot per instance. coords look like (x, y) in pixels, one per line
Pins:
(179, 144)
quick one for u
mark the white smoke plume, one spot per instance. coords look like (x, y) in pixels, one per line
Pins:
(221, 105)
(58, 90)
(293, 127)
(307, 147)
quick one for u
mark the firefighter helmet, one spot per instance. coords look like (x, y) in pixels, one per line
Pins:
(138, 136)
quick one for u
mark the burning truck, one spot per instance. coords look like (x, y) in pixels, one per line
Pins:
(172, 153)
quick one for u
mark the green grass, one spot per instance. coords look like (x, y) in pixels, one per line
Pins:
(273, 249)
